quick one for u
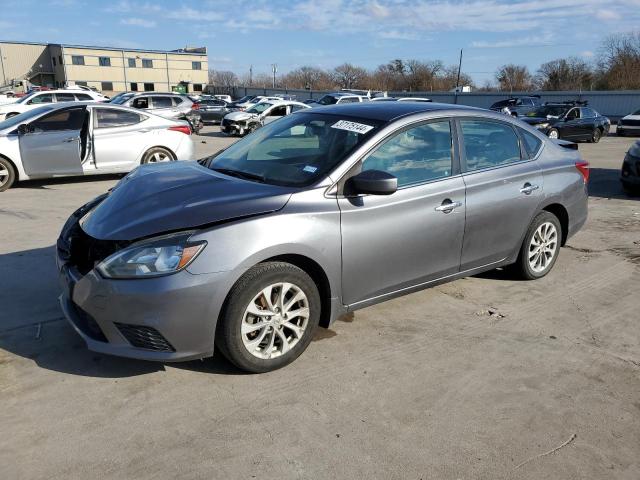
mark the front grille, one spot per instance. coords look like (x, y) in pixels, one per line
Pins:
(148, 338)
(630, 123)
(85, 252)
(87, 324)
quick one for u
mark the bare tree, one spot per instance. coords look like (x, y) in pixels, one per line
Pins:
(223, 78)
(565, 74)
(349, 76)
(619, 62)
(513, 77)
(307, 77)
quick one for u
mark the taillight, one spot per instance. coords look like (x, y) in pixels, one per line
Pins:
(583, 168)
(181, 128)
(195, 106)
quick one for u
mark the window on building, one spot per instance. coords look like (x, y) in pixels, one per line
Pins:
(196, 65)
(197, 87)
(416, 155)
(133, 87)
(53, 59)
(104, 61)
(147, 63)
(132, 62)
(106, 86)
(148, 87)
(77, 59)
(82, 84)
(489, 144)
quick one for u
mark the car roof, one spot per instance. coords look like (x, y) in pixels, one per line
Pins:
(387, 111)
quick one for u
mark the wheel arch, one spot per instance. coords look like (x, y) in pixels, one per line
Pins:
(13, 164)
(164, 147)
(562, 214)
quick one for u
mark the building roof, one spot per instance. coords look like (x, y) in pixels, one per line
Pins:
(181, 51)
(387, 111)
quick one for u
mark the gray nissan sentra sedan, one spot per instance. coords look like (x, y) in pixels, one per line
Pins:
(320, 213)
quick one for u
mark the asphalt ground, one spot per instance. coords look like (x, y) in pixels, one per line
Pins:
(481, 378)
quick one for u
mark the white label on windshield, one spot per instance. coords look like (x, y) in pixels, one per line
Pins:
(352, 126)
(310, 169)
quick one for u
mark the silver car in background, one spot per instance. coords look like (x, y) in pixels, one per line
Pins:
(74, 138)
(168, 105)
(314, 215)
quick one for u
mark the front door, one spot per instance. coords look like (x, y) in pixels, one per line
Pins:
(394, 242)
(504, 189)
(275, 113)
(571, 127)
(53, 145)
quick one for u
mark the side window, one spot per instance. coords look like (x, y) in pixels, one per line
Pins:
(60, 120)
(588, 113)
(38, 99)
(573, 114)
(142, 102)
(177, 100)
(83, 97)
(295, 108)
(532, 143)
(489, 144)
(162, 102)
(65, 97)
(348, 100)
(278, 111)
(109, 118)
(416, 155)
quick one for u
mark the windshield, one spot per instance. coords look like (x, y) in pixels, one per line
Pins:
(26, 97)
(259, 107)
(24, 117)
(246, 98)
(636, 112)
(295, 151)
(548, 111)
(120, 99)
(328, 100)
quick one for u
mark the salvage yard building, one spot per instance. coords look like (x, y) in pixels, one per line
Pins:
(110, 70)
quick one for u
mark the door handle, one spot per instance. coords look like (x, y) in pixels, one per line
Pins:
(448, 206)
(528, 188)
(71, 139)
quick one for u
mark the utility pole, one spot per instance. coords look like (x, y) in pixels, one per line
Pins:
(458, 79)
(250, 75)
(274, 69)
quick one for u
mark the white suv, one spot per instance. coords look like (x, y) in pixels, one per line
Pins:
(37, 99)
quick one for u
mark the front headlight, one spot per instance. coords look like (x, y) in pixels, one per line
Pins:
(152, 258)
(542, 125)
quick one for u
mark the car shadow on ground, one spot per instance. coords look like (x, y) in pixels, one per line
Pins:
(44, 184)
(32, 325)
(605, 183)
(210, 134)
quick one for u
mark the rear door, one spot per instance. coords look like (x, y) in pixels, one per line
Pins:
(119, 138)
(163, 105)
(53, 147)
(504, 188)
(572, 126)
(65, 97)
(394, 242)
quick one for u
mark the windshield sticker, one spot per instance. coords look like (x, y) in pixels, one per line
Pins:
(310, 169)
(352, 126)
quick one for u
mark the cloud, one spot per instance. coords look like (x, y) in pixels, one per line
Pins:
(138, 22)
(543, 40)
(607, 15)
(398, 35)
(587, 54)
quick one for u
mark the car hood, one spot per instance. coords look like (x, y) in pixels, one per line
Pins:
(238, 116)
(168, 197)
(631, 117)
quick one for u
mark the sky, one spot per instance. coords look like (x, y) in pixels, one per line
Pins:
(326, 33)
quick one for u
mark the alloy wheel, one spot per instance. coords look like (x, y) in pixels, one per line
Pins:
(543, 247)
(4, 175)
(275, 320)
(553, 134)
(158, 157)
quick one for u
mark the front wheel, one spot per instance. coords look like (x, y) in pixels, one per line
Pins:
(553, 133)
(270, 317)
(540, 248)
(157, 155)
(7, 174)
(596, 136)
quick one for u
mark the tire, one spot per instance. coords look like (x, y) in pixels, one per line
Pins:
(630, 190)
(263, 349)
(596, 135)
(157, 155)
(553, 133)
(7, 174)
(527, 266)
(9, 115)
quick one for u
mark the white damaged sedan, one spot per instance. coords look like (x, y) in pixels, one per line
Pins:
(74, 138)
(243, 122)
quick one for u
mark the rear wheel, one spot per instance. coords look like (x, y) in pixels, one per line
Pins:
(157, 155)
(553, 133)
(596, 135)
(540, 248)
(270, 317)
(7, 174)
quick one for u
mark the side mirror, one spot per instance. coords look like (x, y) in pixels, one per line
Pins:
(24, 128)
(373, 182)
